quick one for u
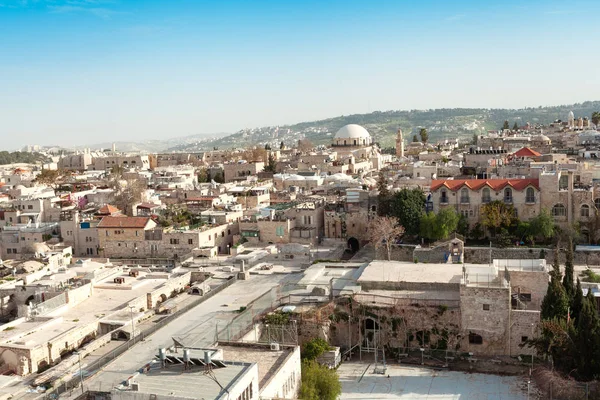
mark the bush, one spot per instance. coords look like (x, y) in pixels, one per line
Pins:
(314, 348)
(277, 318)
(319, 382)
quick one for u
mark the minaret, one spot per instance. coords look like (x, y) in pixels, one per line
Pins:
(399, 144)
(571, 119)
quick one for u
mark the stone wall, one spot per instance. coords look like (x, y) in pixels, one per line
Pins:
(161, 294)
(403, 252)
(522, 324)
(528, 282)
(485, 311)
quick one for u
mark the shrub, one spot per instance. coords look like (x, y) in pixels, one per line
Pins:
(319, 382)
(314, 348)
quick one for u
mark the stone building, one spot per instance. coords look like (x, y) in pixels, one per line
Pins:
(467, 196)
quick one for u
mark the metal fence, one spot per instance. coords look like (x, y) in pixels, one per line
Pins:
(74, 382)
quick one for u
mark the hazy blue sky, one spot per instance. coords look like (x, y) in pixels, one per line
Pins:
(86, 71)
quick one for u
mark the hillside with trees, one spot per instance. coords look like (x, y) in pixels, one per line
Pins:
(21, 157)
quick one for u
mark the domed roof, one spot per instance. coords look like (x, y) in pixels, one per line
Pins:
(352, 131)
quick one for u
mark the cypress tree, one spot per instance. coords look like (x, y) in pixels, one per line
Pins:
(588, 339)
(568, 282)
(556, 301)
(577, 304)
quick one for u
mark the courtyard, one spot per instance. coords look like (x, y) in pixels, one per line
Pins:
(405, 382)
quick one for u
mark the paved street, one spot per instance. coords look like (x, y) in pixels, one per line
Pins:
(201, 320)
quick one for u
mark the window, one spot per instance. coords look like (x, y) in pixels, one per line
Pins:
(485, 196)
(508, 198)
(597, 203)
(530, 196)
(475, 338)
(559, 211)
(174, 241)
(229, 231)
(444, 197)
(464, 195)
(8, 251)
(137, 233)
(563, 183)
(524, 339)
(223, 234)
(486, 307)
(30, 207)
(190, 241)
(585, 210)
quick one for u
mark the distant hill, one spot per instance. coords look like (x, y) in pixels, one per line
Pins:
(153, 146)
(22, 157)
(441, 124)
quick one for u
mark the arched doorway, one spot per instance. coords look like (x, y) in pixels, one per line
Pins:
(161, 299)
(353, 244)
(30, 299)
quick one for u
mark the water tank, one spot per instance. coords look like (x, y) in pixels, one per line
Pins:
(207, 358)
(186, 355)
(162, 355)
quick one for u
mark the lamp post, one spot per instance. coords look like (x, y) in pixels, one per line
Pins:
(80, 372)
(532, 328)
(422, 352)
(228, 249)
(132, 325)
(317, 254)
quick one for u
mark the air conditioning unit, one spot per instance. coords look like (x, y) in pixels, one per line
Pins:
(275, 346)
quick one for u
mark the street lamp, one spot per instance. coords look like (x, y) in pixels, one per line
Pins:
(422, 352)
(532, 328)
(317, 255)
(228, 249)
(80, 373)
(132, 325)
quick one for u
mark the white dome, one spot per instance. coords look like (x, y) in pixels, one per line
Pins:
(352, 131)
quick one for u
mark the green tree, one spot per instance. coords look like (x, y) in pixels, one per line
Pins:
(427, 226)
(596, 118)
(542, 225)
(271, 164)
(474, 139)
(424, 135)
(515, 126)
(496, 215)
(319, 382)
(203, 176)
(384, 195)
(568, 281)
(219, 178)
(314, 348)
(407, 205)
(588, 339)
(505, 126)
(556, 302)
(446, 222)
(415, 139)
(48, 177)
(577, 304)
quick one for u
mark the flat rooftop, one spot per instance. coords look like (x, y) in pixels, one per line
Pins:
(268, 361)
(175, 381)
(399, 271)
(404, 383)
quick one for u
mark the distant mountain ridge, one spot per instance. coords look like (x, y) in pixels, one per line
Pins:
(446, 123)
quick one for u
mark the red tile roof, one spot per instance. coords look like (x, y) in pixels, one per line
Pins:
(124, 222)
(527, 152)
(108, 210)
(476, 184)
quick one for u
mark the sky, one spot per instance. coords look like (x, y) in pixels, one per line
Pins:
(76, 72)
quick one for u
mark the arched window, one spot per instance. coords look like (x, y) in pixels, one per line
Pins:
(485, 196)
(464, 195)
(585, 210)
(443, 196)
(597, 203)
(559, 211)
(508, 198)
(530, 195)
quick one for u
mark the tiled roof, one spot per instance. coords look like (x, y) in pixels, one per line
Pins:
(108, 210)
(476, 184)
(527, 152)
(124, 222)
(148, 206)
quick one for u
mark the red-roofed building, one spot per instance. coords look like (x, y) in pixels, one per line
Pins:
(526, 152)
(467, 196)
(107, 211)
